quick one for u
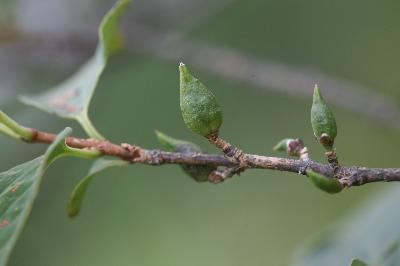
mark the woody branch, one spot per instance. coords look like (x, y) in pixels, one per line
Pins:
(347, 176)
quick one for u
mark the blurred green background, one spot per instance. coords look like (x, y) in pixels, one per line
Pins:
(141, 215)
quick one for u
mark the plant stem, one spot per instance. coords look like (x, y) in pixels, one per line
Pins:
(12, 126)
(83, 153)
(347, 176)
(89, 127)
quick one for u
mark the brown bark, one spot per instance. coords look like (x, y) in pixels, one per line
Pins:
(348, 176)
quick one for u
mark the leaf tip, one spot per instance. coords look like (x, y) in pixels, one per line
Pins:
(183, 70)
(317, 92)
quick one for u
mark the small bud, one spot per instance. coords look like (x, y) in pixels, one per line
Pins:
(323, 121)
(293, 147)
(281, 145)
(327, 184)
(199, 173)
(200, 110)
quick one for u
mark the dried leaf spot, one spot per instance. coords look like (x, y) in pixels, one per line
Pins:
(70, 108)
(61, 101)
(14, 188)
(4, 223)
(69, 94)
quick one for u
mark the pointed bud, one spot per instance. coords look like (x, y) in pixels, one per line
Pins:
(199, 173)
(327, 184)
(323, 121)
(200, 110)
(281, 145)
(293, 147)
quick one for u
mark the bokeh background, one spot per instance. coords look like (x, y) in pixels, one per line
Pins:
(261, 58)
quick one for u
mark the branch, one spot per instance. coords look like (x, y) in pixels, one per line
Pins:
(347, 176)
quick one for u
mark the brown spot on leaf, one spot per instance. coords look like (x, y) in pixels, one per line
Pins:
(61, 101)
(70, 108)
(14, 188)
(4, 223)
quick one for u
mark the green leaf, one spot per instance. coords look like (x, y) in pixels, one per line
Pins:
(199, 173)
(357, 262)
(200, 110)
(18, 189)
(71, 98)
(79, 192)
(372, 233)
(391, 256)
(323, 121)
(329, 185)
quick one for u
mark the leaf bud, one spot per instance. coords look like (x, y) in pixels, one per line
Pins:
(200, 110)
(293, 147)
(323, 121)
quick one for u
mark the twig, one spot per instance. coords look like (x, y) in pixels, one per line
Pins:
(348, 176)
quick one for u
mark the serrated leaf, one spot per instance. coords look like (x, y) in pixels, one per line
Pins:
(18, 189)
(371, 234)
(71, 99)
(357, 262)
(79, 192)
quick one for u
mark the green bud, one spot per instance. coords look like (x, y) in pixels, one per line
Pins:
(330, 185)
(293, 147)
(200, 109)
(199, 173)
(323, 121)
(281, 145)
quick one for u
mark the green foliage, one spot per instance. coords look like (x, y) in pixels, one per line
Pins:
(357, 262)
(199, 107)
(201, 114)
(329, 185)
(71, 98)
(371, 234)
(323, 121)
(79, 192)
(199, 173)
(19, 187)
